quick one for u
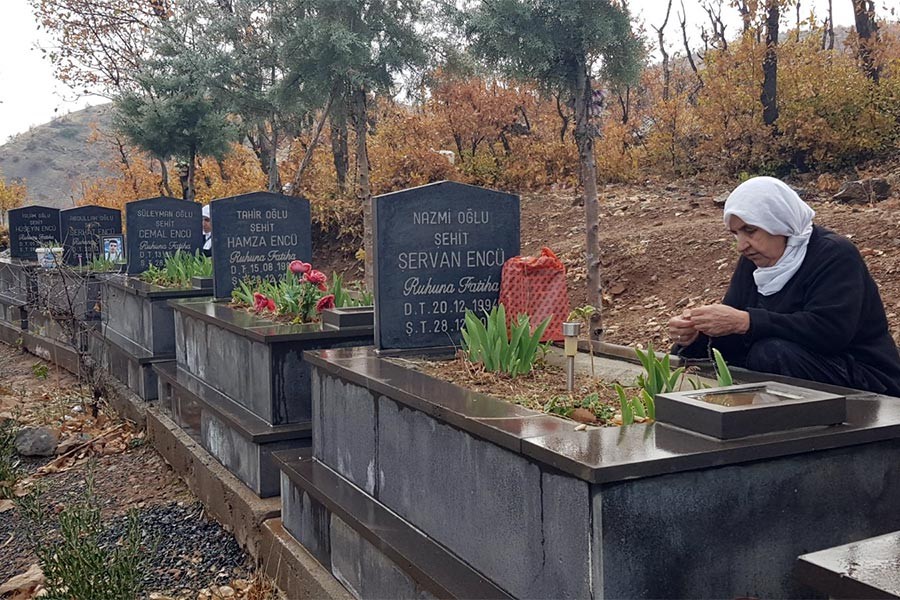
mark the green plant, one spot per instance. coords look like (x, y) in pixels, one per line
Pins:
(178, 269)
(658, 376)
(40, 370)
(102, 264)
(360, 297)
(82, 561)
(9, 463)
(301, 293)
(512, 351)
(564, 405)
(723, 374)
(641, 406)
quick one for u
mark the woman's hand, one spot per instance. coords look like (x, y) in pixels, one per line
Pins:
(682, 330)
(716, 320)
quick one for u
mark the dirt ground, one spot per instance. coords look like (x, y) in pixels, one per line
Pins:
(664, 246)
(666, 249)
(192, 556)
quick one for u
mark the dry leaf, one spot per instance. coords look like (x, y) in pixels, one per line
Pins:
(28, 580)
(6, 505)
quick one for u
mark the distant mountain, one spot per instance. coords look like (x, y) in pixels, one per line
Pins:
(52, 158)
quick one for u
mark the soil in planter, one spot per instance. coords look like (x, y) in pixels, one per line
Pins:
(544, 389)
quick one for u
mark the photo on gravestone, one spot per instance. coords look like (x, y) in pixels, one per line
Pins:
(158, 228)
(113, 248)
(439, 250)
(83, 229)
(31, 227)
(256, 236)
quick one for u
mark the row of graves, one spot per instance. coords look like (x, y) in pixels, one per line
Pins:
(402, 485)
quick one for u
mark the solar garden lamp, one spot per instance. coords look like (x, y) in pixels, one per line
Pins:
(571, 331)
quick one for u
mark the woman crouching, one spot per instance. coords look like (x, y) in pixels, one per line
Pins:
(801, 302)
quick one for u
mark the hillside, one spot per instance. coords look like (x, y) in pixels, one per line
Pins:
(52, 158)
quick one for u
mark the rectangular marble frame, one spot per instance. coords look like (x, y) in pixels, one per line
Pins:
(140, 313)
(273, 380)
(615, 507)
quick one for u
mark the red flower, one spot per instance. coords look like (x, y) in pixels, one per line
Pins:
(325, 302)
(261, 303)
(298, 267)
(315, 277)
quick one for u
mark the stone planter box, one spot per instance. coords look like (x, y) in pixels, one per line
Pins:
(242, 380)
(350, 316)
(203, 283)
(541, 510)
(138, 330)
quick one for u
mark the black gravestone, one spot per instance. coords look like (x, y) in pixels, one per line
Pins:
(82, 230)
(439, 250)
(257, 235)
(159, 227)
(30, 227)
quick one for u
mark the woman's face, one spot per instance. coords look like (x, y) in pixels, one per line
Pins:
(759, 246)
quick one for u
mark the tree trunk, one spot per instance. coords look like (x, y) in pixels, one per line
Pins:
(261, 148)
(164, 175)
(192, 171)
(340, 151)
(867, 31)
(667, 71)
(307, 157)
(830, 25)
(584, 137)
(769, 96)
(274, 183)
(363, 189)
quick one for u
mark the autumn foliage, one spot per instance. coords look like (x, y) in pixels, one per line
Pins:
(495, 133)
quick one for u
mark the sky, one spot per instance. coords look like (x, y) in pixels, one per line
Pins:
(29, 94)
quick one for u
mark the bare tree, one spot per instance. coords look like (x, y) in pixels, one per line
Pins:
(667, 71)
(682, 21)
(867, 32)
(717, 39)
(769, 96)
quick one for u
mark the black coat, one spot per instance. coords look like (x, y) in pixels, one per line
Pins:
(831, 306)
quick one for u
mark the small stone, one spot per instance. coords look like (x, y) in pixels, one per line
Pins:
(226, 591)
(36, 441)
(583, 415)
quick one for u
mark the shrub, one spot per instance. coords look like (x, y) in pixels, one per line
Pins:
(81, 562)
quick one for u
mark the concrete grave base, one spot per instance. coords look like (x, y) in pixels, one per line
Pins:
(241, 441)
(139, 328)
(10, 334)
(13, 313)
(135, 372)
(541, 509)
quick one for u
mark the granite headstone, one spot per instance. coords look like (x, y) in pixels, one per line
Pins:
(30, 227)
(257, 236)
(159, 227)
(82, 230)
(439, 251)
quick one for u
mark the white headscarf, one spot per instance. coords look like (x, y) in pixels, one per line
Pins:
(771, 205)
